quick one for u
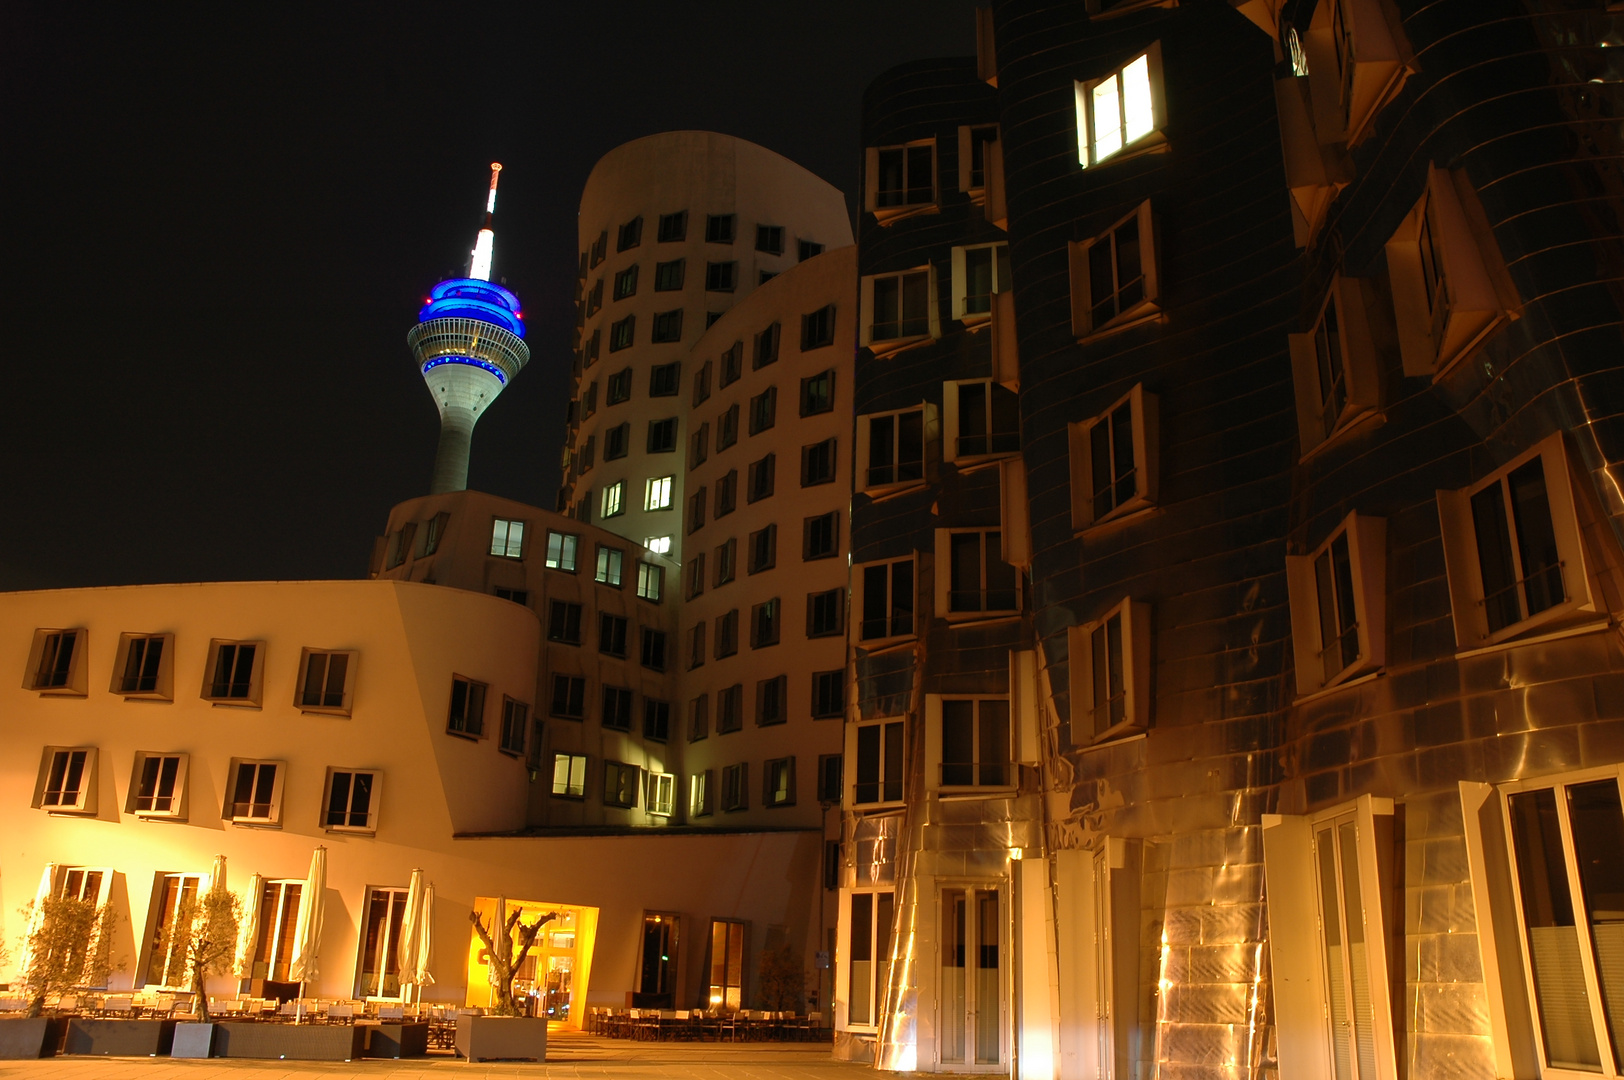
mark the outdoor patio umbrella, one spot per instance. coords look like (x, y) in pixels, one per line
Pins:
(243, 968)
(416, 935)
(36, 917)
(307, 930)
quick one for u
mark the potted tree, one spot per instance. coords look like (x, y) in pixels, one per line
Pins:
(210, 946)
(506, 1033)
(68, 943)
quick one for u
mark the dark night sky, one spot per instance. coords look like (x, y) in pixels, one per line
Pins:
(217, 222)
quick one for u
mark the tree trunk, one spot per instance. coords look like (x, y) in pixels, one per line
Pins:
(36, 1005)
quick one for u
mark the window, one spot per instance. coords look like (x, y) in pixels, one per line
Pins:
(352, 800)
(892, 448)
(662, 794)
(592, 349)
(324, 681)
(631, 234)
(898, 309)
(564, 622)
(616, 442)
(1512, 548)
(984, 419)
(612, 499)
(978, 578)
(770, 238)
(657, 715)
(702, 383)
(622, 334)
(974, 146)
(378, 974)
(1338, 604)
(67, 780)
(699, 794)
(515, 723)
(668, 275)
(696, 509)
(569, 775)
(654, 649)
(1114, 460)
(887, 600)
(824, 613)
(584, 460)
(158, 786)
(698, 717)
(668, 325)
(662, 436)
(735, 792)
(761, 479)
(672, 227)
(767, 347)
(721, 276)
(725, 562)
(569, 697)
(876, 750)
(517, 596)
(467, 712)
(696, 575)
(617, 708)
(828, 694)
(620, 784)
(727, 488)
(561, 551)
(1110, 673)
(600, 248)
(1354, 67)
(1113, 276)
(56, 664)
(696, 645)
(818, 393)
(657, 492)
(657, 545)
(144, 666)
(764, 624)
(975, 747)
(1334, 368)
(610, 561)
(771, 701)
(1444, 295)
(507, 538)
(612, 635)
(1121, 110)
(729, 709)
(870, 922)
(807, 249)
(778, 788)
(727, 633)
(650, 578)
(174, 897)
(254, 794)
(626, 282)
(727, 430)
(718, 228)
(665, 380)
(901, 177)
(400, 545)
(763, 549)
(820, 536)
(235, 669)
(589, 400)
(619, 387)
(733, 364)
(433, 532)
(979, 273)
(818, 328)
(763, 410)
(699, 446)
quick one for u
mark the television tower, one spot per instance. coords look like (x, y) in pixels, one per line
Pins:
(468, 342)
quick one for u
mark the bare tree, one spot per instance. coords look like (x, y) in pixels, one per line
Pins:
(72, 946)
(505, 964)
(780, 980)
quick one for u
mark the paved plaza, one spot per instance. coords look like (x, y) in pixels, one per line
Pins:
(570, 1056)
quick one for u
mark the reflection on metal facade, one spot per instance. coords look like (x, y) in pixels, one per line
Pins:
(1316, 530)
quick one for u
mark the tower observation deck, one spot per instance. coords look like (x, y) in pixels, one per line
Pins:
(468, 343)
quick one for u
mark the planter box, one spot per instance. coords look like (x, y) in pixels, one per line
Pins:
(493, 1038)
(120, 1038)
(193, 1041)
(396, 1040)
(36, 1037)
(288, 1042)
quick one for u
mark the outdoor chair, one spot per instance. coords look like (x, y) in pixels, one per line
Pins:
(341, 1013)
(119, 1006)
(391, 1012)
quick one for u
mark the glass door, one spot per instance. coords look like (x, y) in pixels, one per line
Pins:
(971, 998)
(1350, 1005)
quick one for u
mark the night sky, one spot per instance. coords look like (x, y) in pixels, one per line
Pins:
(217, 223)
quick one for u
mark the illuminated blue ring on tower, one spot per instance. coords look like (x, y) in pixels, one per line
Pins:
(458, 339)
(471, 298)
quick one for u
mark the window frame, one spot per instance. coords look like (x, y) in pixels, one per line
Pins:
(1361, 373)
(944, 577)
(1088, 155)
(770, 769)
(1145, 417)
(860, 597)
(952, 411)
(347, 694)
(370, 827)
(1001, 282)
(72, 682)
(163, 679)
(1134, 616)
(871, 182)
(506, 541)
(979, 764)
(515, 719)
(478, 730)
(929, 430)
(178, 789)
(256, 680)
(568, 550)
(273, 817)
(1146, 308)
(574, 764)
(85, 795)
(932, 317)
(660, 799)
(1366, 540)
(886, 797)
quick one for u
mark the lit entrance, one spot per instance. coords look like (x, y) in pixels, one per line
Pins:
(972, 1001)
(552, 981)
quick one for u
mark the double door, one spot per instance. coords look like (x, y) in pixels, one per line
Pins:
(973, 1003)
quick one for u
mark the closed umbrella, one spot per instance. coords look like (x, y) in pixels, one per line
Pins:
(424, 971)
(217, 884)
(36, 917)
(410, 927)
(248, 935)
(307, 930)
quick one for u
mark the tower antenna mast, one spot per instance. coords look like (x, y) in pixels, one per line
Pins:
(479, 267)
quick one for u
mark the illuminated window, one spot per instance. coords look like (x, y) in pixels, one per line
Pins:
(352, 800)
(699, 794)
(324, 683)
(1121, 110)
(254, 792)
(886, 599)
(569, 775)
(1110, 673)
(897, 308)
(657, 493)
(609, 563)
(1114, 277)
(1114, 460)
(662, 794)
(67, 780)
(507, 538)
(561, 551)
(612, 498)
(620, 784)
(467, 712)
(978, 274)
(778, 788)
(651, 578)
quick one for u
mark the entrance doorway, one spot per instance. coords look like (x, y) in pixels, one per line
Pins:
(657, 962)
(972, 1001)
(552, 980)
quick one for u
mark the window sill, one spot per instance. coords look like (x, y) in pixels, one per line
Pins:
(566, 795)
(1122, 733)
(59, 691)
(882, 492)
(1128, 8)
(312, 710)
(892, 346)
(1370, 418)
(1128, 514)
(232, 703)
(828, 716)
(885, 215)
(67, 811)
(974, 321)
(135, 695)
(976, 462)
(350, 830)
(144, 815)
(1124, 322)
(778, 805)
(255, 823)
(964, 619)
(465, 736)
(1334, 686)
(1593, 627)
(886, 807)
(966, 792)
(1153, 143)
